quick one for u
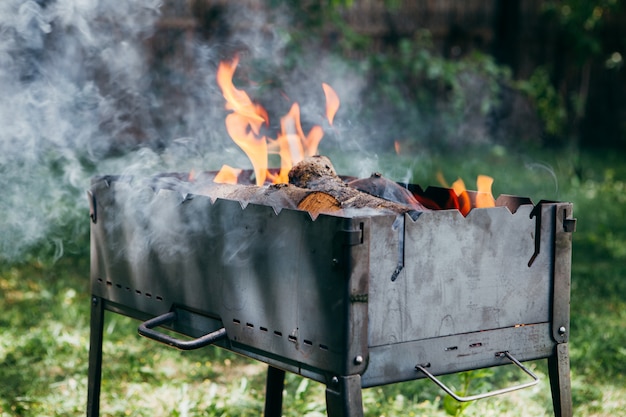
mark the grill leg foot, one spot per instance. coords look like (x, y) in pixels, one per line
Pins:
(560, 384)
(274, 392)
(343, 397)
(95, 357)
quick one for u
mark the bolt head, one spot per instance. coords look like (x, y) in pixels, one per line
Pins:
(358, 360)
(562, 330)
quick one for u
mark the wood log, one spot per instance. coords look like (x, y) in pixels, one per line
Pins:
(315, 187)
(379, 186)
(317, 173)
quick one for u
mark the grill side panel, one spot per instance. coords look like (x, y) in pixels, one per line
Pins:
(471, 288)
(463, 275)
(288, 289)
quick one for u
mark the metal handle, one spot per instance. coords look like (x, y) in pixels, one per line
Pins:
(441, 385)
(145, 329)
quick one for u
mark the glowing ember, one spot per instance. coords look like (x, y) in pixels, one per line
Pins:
(244, 127)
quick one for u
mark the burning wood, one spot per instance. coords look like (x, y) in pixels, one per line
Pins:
(382, 187)
(314, 186)
(317, 173)
(300, 167)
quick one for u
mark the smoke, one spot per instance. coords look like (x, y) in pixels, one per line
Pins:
(94, 87)
(53, 58)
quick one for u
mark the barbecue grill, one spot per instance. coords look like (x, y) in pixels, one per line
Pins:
(356, 300)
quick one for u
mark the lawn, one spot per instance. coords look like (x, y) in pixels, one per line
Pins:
(44, 319)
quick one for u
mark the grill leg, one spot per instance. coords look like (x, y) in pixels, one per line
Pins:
(274, 392)
(95, 357)
(558, 367)
(343, 397)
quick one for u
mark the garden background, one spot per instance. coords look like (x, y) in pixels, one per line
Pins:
(529, 92)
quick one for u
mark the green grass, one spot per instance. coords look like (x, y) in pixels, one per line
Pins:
(44, 320)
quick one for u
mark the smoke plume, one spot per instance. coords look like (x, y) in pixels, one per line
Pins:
(98, 87)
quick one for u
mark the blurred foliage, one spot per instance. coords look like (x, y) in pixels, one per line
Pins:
(432, 99)
(414, 93)
(583, 46)
(581, 22)
(435, 97)
(548, 102)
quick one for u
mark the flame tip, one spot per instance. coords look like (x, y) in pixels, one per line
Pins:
(246, 117)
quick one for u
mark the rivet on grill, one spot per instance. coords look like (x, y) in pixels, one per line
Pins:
(334, 380)
(562, 330)
(335, 261)
(358, 360)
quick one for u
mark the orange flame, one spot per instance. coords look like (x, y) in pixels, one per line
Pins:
(483, 197)
(244, 127)
(227, 175)
(397, 146)
(332, 102)
(464, 203)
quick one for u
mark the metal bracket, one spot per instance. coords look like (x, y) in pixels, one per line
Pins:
(459, 398)
(350, 237)
(569, 226)
(536, 213)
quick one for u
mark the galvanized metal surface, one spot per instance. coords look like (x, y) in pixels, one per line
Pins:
(461, 275)
(336, 298)
(279, 283)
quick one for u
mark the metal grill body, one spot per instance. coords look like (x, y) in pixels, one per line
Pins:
(350, 301)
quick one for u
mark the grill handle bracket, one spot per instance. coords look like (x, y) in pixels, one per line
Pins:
(146, 329)
(459, 398)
